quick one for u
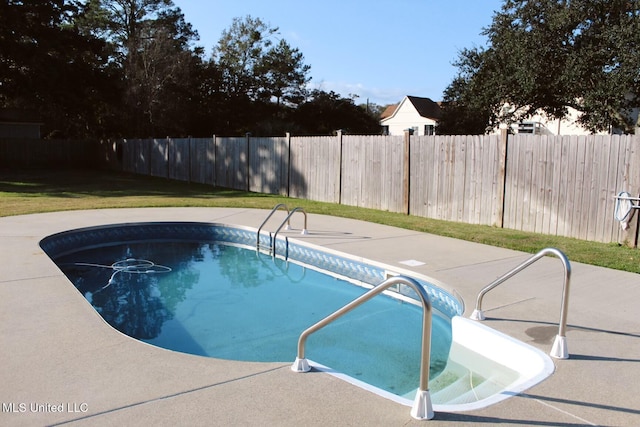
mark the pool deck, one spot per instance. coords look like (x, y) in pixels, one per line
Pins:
(58, 353)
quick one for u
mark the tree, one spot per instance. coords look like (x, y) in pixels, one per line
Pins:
(552, 54)
(239, 55)
(259, 83)
(325, 112)
(284, 74)
(463, 115)
(50, 66)
(152, 47)
(375, 110)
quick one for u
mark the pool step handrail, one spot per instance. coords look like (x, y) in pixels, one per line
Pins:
(559, 349)
(422, 408)
(287, 220)
(275, 208)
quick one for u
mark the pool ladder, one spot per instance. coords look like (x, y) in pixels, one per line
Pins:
(422, 407)
(559, 348)
(271, 248)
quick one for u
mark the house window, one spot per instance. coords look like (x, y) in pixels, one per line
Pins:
(535, 128)
(429, 129)
(385, 130)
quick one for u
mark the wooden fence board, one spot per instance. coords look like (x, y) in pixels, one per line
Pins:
(558, 185)
(601, 190)
(372, 172)
(159, 158)
(488, 182)
(556, 165)
(179, 159)
(268, 161)
(199, 160)
(315, 168)
(232, 163)
(616, 177)
(418, 191)
(617, 183)
(578, 188)
(470, 182)
(511, 188)
(351, 178)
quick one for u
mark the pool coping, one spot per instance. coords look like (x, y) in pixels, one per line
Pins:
(50, 360)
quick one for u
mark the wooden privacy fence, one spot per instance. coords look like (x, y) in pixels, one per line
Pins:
(565, 185)
(32, 153)
(559, 185)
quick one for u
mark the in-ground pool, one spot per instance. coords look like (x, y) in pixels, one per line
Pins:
(204, 289)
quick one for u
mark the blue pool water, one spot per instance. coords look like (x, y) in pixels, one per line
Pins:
(224, 301)
(190, 287)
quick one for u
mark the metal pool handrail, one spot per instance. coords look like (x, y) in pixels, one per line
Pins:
(287, 221)
(275, 208)
(422, 408)
(559, 349)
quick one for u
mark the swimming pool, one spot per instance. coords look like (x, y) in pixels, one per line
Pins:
(482, 385)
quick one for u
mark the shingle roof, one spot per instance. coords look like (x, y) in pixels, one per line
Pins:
(426, 107)
(388, 112)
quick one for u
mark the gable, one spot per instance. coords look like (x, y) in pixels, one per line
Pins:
(415, 106)
(389, 111)
(426, 107)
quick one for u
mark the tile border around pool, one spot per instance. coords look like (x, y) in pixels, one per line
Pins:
(338, 263)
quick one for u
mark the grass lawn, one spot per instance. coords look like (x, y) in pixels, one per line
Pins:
(26, 192)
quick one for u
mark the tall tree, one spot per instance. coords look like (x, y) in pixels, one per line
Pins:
(325, 112)
(284, 74)
(239, 54)
(50, 66)
(259, 81)
(465, 109)
(552, 54)
(153, 46)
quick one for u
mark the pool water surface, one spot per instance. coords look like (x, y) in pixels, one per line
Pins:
(204, 289)
(224, 301)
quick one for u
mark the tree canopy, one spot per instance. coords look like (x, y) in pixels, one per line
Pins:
(109, 68)
(548, 55)
(48, 66)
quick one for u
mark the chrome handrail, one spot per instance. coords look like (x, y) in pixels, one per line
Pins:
(559, 349)
(287, 220)
(275, 208)
(422, 407)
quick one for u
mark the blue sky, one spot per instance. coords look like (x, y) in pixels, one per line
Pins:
(377, 50)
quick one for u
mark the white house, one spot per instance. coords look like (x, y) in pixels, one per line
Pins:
(539, 124)
(420, 115)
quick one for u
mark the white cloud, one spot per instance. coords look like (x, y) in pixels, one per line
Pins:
(373, 94)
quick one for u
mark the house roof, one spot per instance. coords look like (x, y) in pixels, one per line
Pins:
(388, 112)
(424, 106)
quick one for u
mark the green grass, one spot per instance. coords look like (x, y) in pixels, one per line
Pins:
(27, 192)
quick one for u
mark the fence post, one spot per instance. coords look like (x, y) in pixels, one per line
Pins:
(248, 162)
(406, 171)
(214, 157)
(189, 177)
(288, 138)
(169, 158)
(339, 135)
(502, 171)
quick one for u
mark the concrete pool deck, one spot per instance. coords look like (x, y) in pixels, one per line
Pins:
(58, 353)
